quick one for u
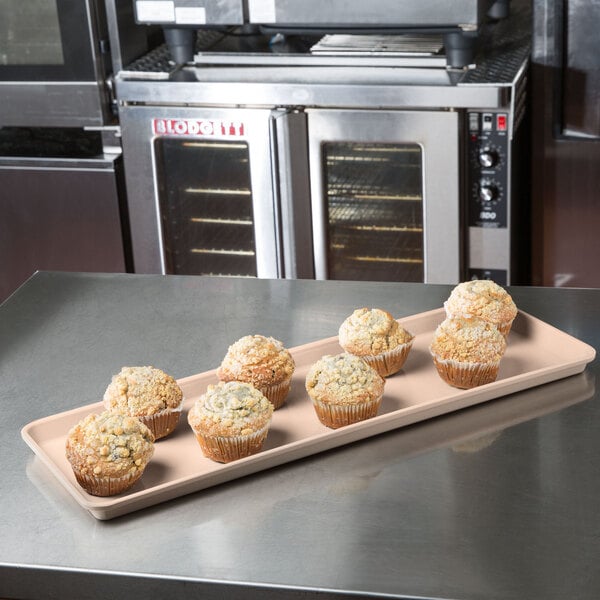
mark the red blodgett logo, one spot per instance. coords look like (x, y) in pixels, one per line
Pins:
(198, 127)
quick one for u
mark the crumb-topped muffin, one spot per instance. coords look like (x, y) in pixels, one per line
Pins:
(375, 336)
(344, 389)
(231, 420)
(484, 299)
(109, 452)
(261, 361)
(467, 352)
(147, 393)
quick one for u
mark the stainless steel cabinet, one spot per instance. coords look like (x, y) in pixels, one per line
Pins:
(58, 215)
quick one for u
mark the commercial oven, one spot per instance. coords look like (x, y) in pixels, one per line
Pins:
(261, 163)
(57, 59)
(459, 22)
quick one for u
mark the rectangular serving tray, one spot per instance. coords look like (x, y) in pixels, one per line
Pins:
(537, 353)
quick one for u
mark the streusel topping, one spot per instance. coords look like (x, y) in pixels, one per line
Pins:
(229, 409)
(468, 340)
(258, 360)
(343, 379)
(370, 331)
(142, 391)
(481, 298)
(109, 445)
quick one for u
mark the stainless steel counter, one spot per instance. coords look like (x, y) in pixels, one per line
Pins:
(499, 501)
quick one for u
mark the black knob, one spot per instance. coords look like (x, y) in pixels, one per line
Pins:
(488, 158)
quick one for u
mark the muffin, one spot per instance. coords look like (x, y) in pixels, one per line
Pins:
(147, 393)
(483, 299)
(230, 421)
(375, 336)
(109, 452)
(344, 389)
(467, 352)
(262, 362)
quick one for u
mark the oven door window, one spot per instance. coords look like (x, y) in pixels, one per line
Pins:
(374, 197)
(45, 40)
(206, 207)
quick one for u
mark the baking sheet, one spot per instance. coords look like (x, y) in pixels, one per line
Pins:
(537, 353)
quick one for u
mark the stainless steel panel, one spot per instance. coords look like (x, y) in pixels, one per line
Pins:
(60, 215)
(489, 248)
(378, 12)
(437, 134)
(565, 175)
(142, 185)
(580, 83)
(70, 92)
(312, 86)
(53, 104)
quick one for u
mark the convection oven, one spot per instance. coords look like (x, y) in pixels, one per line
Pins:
(276, 159)
(458, 22)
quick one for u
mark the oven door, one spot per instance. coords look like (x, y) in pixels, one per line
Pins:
(53, 53)
(200, 191)
(385, 195)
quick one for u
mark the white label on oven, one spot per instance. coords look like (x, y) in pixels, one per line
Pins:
(262, 11)
(198, 127)
(189, 15)
(155, 12)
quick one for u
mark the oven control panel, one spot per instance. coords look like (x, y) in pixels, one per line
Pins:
(488, 169)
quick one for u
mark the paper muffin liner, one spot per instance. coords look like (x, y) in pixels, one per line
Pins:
(390, 362)
(277, 392)
(106, 486)
(224, 449)
(339, 415)
(466, 375)
(162, 423)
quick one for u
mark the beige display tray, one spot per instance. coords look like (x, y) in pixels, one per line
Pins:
(537, 353)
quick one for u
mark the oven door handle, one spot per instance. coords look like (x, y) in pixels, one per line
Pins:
(291, 183)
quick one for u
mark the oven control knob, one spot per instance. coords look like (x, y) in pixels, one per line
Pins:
(488, 192)
(488, 158)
